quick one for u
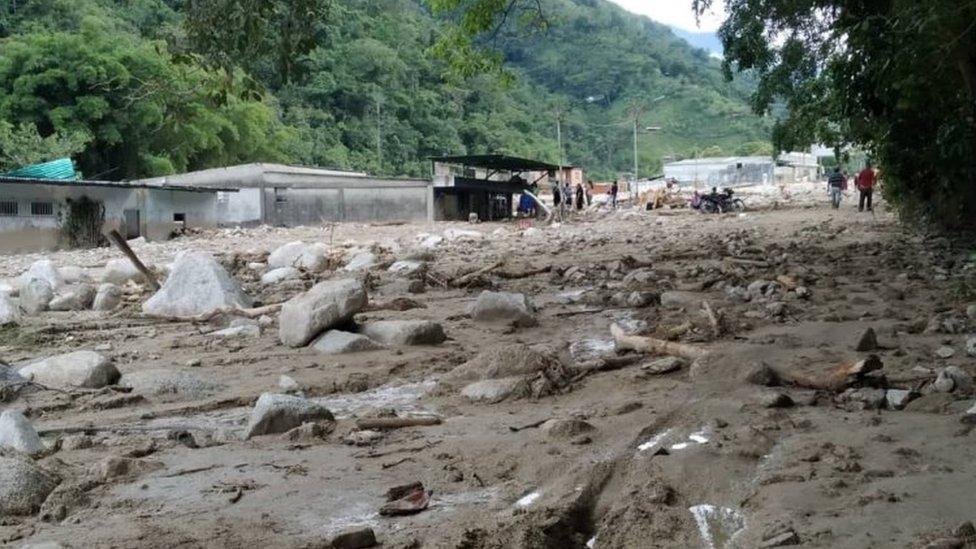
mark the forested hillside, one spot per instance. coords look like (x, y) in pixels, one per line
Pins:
(126, 87)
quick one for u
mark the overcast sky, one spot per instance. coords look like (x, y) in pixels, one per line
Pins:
(676, 13)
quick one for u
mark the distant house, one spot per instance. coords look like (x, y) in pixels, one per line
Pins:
(486, 184)
(289, 196)
(32, 210)
(735, 171)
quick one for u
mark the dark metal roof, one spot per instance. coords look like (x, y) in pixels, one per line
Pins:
(112, 184)
(497, 162)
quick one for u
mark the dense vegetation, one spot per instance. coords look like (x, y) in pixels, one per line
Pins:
(146, 87)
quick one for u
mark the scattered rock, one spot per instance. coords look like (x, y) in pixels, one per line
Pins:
(664, 365)
(361, 261)
(762, 374)
(406, 267)
(417, 286)
(566, 428)
(679, 300)
(780, 540)
(953, 378)
(288, 384)
(196, 285)
(23, 486)
(336, 342)
(897, 399)
(318, 430)
(167, 382)
(9, 312)
(775, 400)
(43, 269)
(78, 369)
(309, 257)
(945, 352)
(971, 312)
(280, 274)
(322, 307)
(868, 341)
(113, 467)
(121, 272)
(971, 346)
(363, 437)
(405, 332)
(107, 298)
(75, 298)
(864, 398)
(357, 538)
(491, 391)
(35, 296)
(17, 433)
(275, 413)
(504, 307)
(239, 328)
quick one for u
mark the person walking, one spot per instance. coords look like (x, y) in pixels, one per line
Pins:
(865, 186)
(580, 196)
(589, 192)
(614, 189)
(835, 185)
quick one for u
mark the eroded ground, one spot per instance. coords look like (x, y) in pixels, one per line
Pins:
(695, 457)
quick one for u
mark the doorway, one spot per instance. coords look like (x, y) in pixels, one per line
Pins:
(131, 224)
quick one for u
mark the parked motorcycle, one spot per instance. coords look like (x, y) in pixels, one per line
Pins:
(718, 202)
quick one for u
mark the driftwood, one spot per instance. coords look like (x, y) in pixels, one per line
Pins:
(462, 280)
(397, 422)
(122, 245)
(841, 377)
(714, 320)
(254, 312)
(523, 274)
(652, 345)
(747, 262)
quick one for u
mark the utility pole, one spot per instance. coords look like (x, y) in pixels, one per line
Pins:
(379, 133)
(635, 150)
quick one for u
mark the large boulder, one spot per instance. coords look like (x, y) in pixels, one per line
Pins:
(17, 434)
(168, 383)
(502, 306)
(23, 486)
(275, 413)
(197, 285)
(336, 342)
(44, 269)
(107, 298)
(281, 274)
(361, 261)
(491, 391)
(325, 305)
(502, 361)
(78, 369)
(121, 271)
(405, 332)
(36, 295)
(310, 257)
(9, 312)
(73, 298)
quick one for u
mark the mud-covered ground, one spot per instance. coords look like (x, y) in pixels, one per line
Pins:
(696, 457)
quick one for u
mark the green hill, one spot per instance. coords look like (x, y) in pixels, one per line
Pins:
(370, 96)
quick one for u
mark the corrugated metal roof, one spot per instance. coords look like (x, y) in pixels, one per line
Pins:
(8, 180)
(61, 169)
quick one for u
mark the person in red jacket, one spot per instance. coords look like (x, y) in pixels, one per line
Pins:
(865, 185)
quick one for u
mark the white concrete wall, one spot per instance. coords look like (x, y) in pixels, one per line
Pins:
(240, 208)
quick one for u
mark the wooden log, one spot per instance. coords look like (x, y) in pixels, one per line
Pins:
(397, 422)
(462, 280)
(254, 312)
(122, 245)
(652, 345)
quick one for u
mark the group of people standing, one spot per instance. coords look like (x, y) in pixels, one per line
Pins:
(566, 197)
(864, 183)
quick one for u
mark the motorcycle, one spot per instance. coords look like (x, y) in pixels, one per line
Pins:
(718, 202)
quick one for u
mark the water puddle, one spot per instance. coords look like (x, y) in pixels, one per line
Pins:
(718, 526)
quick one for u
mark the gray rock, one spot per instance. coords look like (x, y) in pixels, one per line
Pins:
(45, 270)
(664, 365)
(78, 369)
(288, 384)
(336, 342)
(73, 298)
(762, 374)
(239, 328)
(9, 312)
(803, 292)
(107, 298)
(970, 345)
(898, 398)
(490, 391)
(406, 267)
(309, 257)
(275, 413)
(17, 433)
(679, 300)
(868, 341)
(970, 415)
(281, 274)
(864, 398)
(502, 361)
(36, 295)
(775, 400)
(322, 307)
(971, 312)
(953, 378)
(120, 272)
(361, 261)
(197, 285)
(566, 428)
(945, 352)
(785, 538)
(168, 382)
(758, 288)
(503, 307)
(356, 538)
(23, 486)
(405, 332)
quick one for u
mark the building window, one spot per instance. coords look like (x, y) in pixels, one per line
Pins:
(179, 217)
(42, 208)
(8, 207)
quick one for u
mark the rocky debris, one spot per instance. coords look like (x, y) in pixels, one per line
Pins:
(970, 415)
(361, 261)
(288, 384)
(337, 342)
(168, 382)
(280, 274)
(74, 298)
(406, 267)
(502, 361)
(775, 399)
(413, 501)
(276, 413)
(897, 399)
(680, 300)
(239, 328)
(953, 378)
(43, 269)
(356, 538)
(107, 298)
(566, 428)
(197, 285)
(945, 352)
(782, 539)
(971, 346)
(9, 312)
(664, 365)
(308, 257)
(113, 467)
(324, 306)
(504, 307)
(395, 333)
(17, 433)
(759, 289)
(762, 374)
(36, 295)
(121, 271)
(863, 398)
(491, 391)
(868, 341)
(634, 299)
(310, 432)
(417, 286)
(86, 369)
(23, 486)
(362, 437)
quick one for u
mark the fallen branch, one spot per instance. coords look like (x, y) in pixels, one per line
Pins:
(532, 425)
(123, 246)
(652, 345)
(397, 422)
(843, 376)
(463, 280)
(713, 319)
(523, 274)
(254, 312)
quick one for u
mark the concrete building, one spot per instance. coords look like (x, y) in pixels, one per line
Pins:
(732, 171)
(290, 196)
(32, 210)
(485, 184)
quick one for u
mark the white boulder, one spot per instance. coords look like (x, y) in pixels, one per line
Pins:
(276, 413)
(274, 276)
(197, 285)
(361, 261)
(310, 257)
(17, 433)
(46, 270)
(107, 298)
(36, 295)
(336, 342)
(323, 306)
(405, 332)
(78, 369)
(9, 312)
(502, 306)
(23, 486)
(73, 298)
(120, 271)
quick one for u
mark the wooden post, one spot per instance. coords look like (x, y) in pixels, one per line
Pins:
(121, 244)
